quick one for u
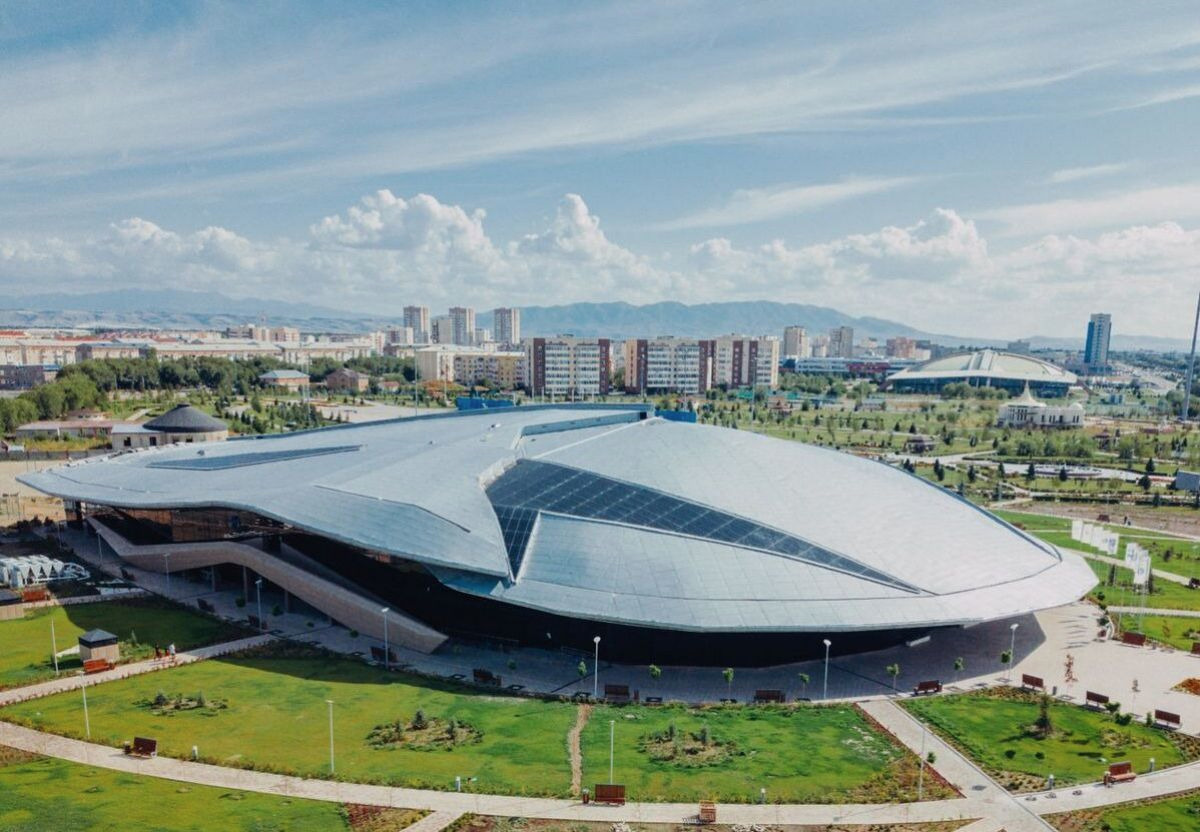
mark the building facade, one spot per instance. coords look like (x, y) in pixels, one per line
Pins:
(1095, 350)
(416, 318)
(841, 342)
(506, 326)
(462, 325)
(668, 365)
(568, 366)
(1025, 411)
(739, 361)
(796, 343)
(347, 381)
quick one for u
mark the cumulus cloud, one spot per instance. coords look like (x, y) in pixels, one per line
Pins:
(938, 273)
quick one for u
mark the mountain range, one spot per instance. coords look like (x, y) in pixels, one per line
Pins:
(181, 309)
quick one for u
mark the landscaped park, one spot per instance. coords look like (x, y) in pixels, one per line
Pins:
(139, 623)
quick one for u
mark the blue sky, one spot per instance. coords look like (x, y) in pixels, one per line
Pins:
(990, 169)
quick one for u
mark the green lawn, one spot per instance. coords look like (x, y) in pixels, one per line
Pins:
(989, 726)
(799, 754)
(47, 795)
(25, 646)
(1179, 814)
(1179, 632)
(276, 718)
(1167, 595)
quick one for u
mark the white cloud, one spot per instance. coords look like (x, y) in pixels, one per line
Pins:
(1138, 206)
(938, 273)
(1089, 172)
(759, 204)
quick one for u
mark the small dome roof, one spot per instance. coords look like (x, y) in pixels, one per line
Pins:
(183, 418)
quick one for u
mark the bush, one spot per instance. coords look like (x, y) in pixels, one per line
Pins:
(277, 610)
(1124, 719)
(1010, 753)
(240, 602)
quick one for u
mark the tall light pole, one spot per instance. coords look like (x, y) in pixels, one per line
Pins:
(167, 569)
(53, 643)
(825, 691)
(612, 730)
(87, 724)
(1012, 647)
(329, 702)
(387, 665)
(596, 669)
(258, 589)
(921, 771)
(1187, 389)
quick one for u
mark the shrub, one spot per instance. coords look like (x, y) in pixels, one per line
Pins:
(1010, 753)
(240, 602)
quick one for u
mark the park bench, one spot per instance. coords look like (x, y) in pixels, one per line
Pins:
(1095, 700)
(611, 793)
(1119, 773)
(1103, 518)
(485, 677)
(378, 655)
(616, 693)
(1196, 648)
(1194, 583)
(96, 666)
(1133, 639)
(126, 574)
(707, 813)
(929, 686)
(144, 747)
(1166, 720)
(205, 606)
(255, 622)
(653, 700)
(769, 695)
(1029, 682)
(33, 594)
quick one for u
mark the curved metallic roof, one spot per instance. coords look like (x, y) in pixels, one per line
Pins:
(184, 418)
(985, 364)
(607, 513)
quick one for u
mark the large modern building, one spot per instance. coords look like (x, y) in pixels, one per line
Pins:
(1099, 336)
(568, 366)
(985, 368)
(668, 365)
(546, 526)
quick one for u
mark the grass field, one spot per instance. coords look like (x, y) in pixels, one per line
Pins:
(25, 646)
(47, 795)
(1177, 814)
(799, 754)
(1167, 595)
(1177, 631)
(276, 719)
(989, 726)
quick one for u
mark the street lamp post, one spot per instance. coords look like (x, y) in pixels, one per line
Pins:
(825, 691)
(387, 665)
(596, 669)
(1012, 649)
(921, 772)
(53, 644)
(167, 569)
(258, 590)
(612, 729)
(329, 702)
(87, 724)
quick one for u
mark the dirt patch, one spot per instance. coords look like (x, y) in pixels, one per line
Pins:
(687, 749)
(487, 823)
(582, 715)
(422, 733)
(362, 818)
(15, 756)
(1191, 686)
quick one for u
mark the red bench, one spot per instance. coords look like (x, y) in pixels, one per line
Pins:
(96, 666)
(1135, 639)
(1095, 700)
(610, 793)
(1119, 773)
(708, 812)
(616, 693)
(485, 677)
(1032, 682)
(769, 695)
(144, 747)
(1196, 648)
(1167, 720)
(929, 686)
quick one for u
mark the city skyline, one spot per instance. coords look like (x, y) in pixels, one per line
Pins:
(978, 167)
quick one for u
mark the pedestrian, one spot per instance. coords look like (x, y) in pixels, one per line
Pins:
(171, 650)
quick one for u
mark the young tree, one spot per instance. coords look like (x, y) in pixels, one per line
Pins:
(728, 674)
(1006, 657)
(893, 670)
(959, 664)
(804, 680)
(655, 672)
(582, 668)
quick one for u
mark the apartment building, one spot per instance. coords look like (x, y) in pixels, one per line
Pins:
(469, 365)
(462, 325)
(796, 342)
(668, 365)
(506, 325)
(841, 342)
(740, 361)
(416, 318)
(568, 366)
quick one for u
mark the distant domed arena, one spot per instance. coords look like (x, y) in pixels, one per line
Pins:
(546, 526)
(985, 368)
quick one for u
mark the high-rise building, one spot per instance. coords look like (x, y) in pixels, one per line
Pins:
(506, 324)
(462, 322)
(901, 347)
(441, 330)
(841, 342)
(1020, 347)
(668, 365)
(796, 343)
(416, 318)
(1099, 332)
(739, 361)
(568, 366)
